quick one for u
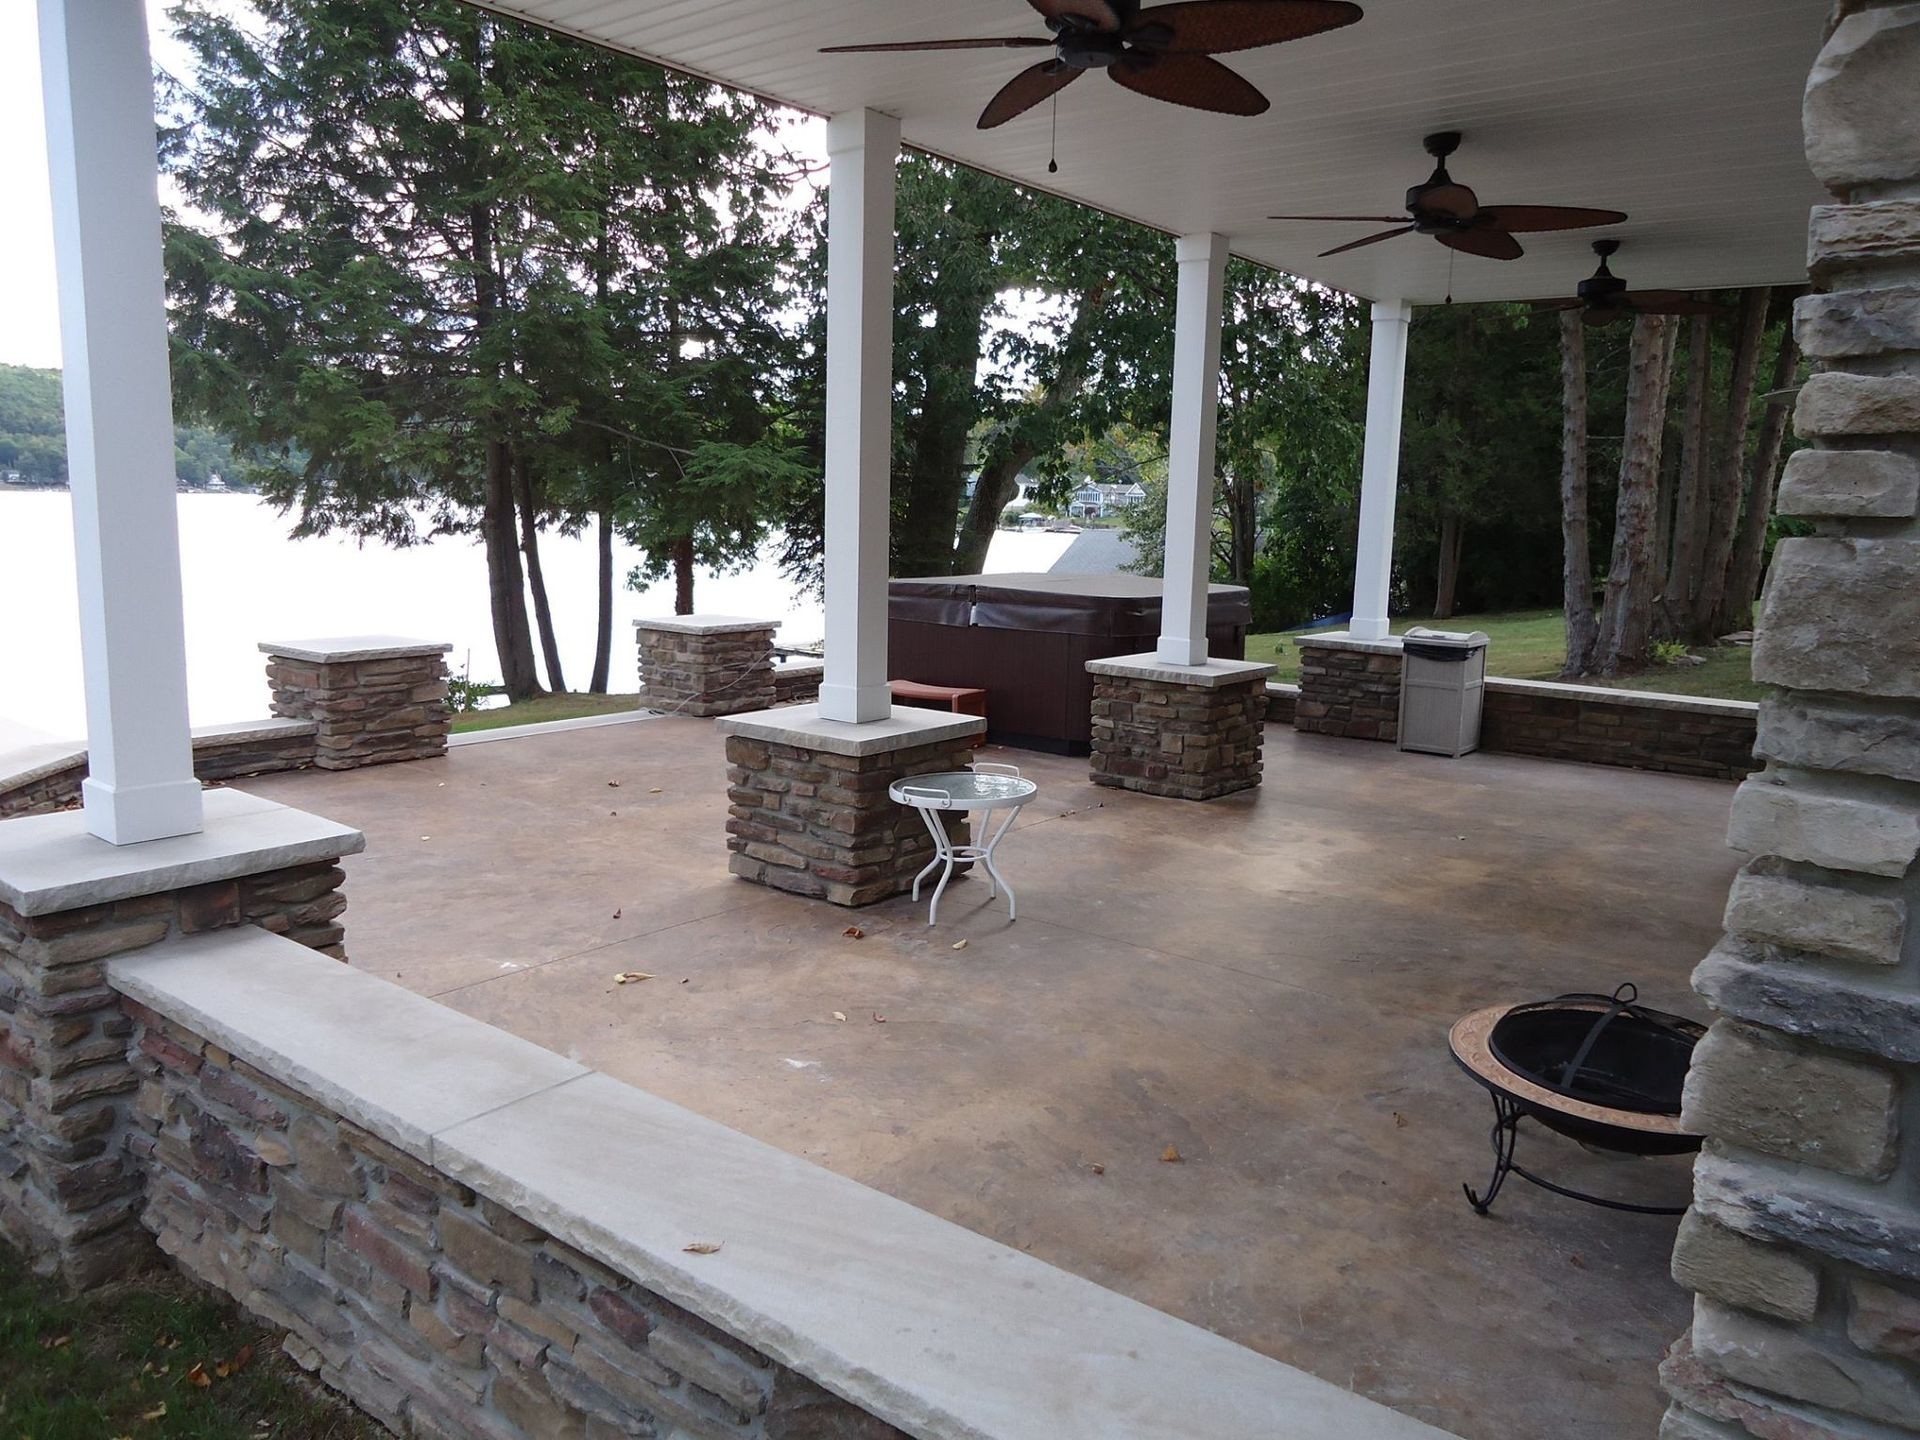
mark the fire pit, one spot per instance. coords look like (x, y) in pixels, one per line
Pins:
(1599, 1069)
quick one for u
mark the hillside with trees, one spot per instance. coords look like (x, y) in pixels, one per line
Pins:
(33, 437)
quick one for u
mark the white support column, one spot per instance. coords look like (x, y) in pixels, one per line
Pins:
(119, 403)
(863, 147)
(1380, 469)
(1196, 408)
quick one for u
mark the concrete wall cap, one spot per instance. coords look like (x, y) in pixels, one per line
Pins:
(705, 624)
(1210, 676)
(1626, 699)
(236, 732)
(803, 727)
(332, 649)
(50, 863)
(1341, 640)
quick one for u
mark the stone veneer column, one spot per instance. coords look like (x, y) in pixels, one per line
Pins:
(376, 698)
(70, 1190)
(810, 812)
(1192, 732)
(706, 664)
(1349, 687)
(1803, 1244)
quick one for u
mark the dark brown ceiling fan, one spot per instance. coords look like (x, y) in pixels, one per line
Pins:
(1603, 296)
(1164, 51)
(1453, 214)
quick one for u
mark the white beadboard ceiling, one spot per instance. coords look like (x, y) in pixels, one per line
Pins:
(1683, 113)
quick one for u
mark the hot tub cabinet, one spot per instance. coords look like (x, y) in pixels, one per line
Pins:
(1026, 639)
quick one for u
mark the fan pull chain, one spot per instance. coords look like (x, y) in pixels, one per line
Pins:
(1053, 142)
(1452, 255)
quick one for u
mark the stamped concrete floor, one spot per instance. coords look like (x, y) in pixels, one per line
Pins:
(1263, 983)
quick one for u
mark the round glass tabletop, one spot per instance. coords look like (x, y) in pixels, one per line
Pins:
(963, 790)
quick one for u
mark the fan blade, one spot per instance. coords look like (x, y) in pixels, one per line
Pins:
(1493, 244)
(1100, 12)
(1026, 90)
(1603, 314)
(1214, 27)
(1547, 217)
(1545, 305)
(1351, 219)
(1668, 302)
(1008, 42)
(1191, 80)
(1370, 240)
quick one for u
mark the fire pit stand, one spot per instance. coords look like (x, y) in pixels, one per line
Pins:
(1599, 1069)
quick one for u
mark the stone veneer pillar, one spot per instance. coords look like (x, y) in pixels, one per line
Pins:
(1349, 687)
(809, 808)
(706, 664)
(70, 1189)
(376, 698)
(1191, 732)
(1803, 1243)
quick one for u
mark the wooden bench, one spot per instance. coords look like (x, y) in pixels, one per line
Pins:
(960, 699)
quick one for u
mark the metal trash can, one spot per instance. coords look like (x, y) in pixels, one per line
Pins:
(1442, 675)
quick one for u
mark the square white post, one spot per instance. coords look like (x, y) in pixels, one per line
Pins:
(119, 403)
(862, 148)
(1190, 441)
(1380, 469)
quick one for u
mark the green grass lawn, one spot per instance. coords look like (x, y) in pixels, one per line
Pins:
(126, 1360)
(1532, 645)
(567, 706)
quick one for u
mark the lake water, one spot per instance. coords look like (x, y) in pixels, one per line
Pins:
(246, 581)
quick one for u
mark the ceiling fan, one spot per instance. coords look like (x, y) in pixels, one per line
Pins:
(1453, 214)
(1603, 297)
(1163, 52)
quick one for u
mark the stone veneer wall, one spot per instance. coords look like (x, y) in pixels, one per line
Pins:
(1352, 689)
(1190, 742)
(70, 1191)
(371, 704)
(220, 752)
(797, 684)
(813, 822)
(706, 665)
(1803, 1243)
(436, 1311)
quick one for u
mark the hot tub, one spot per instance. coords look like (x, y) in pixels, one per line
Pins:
(1026, 639)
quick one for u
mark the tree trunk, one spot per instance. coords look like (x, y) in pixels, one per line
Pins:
(603, 627)
(1729, 475)
(1243, 521)
(512, 638)
(1626, 623)
(683, 575)
(1446, 581)
(1750, 548)
(1577, 561)
(536, 577)
(923, 535)
(1689, 528)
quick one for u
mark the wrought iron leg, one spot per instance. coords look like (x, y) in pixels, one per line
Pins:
(1506, 1126)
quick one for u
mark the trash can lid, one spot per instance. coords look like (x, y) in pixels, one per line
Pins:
(1448, 639)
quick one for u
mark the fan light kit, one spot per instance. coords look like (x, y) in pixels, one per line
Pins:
(1603, 296)
(1163, 52)
(1453, 214)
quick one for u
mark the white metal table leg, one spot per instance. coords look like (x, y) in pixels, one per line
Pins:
(986, 858)
(942, 855)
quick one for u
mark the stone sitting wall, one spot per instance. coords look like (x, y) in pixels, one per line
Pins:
(374, 699)
(1195, 737)
(220, 752)
(436, 1311)
(706, 665)
(1349, 688)
(1803, 1243)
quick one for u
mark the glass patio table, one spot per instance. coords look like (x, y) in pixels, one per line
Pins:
(983, 790)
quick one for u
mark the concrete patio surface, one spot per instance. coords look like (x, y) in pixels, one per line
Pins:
(1263, 983)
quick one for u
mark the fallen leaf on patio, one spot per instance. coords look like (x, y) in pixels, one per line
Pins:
(159, 1412)
(702, 1247)
(631, 977)
(879, 1019)
(613, 812)
(1097, 1168)
(959, 945)
(616, 914)
(426, 837)
(840, 1015)
(854, 932)
(1172, 1156)
(1575, 1261)
(198, 1377)
(654, 791)
(613, 784)
(1399, 1121)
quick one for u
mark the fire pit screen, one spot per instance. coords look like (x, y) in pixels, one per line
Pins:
(1599, 1069)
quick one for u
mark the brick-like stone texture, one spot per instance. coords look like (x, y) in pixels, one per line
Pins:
(69, 1188)
(1602, 730)
(1751, 1274)
(215, 757)
(1350, 693)
(436, 1311)
(368, 712)
(815, 823)
(1816, 912)
(723, 672)
(797, 684)
(44, 792)
(1192, 742)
